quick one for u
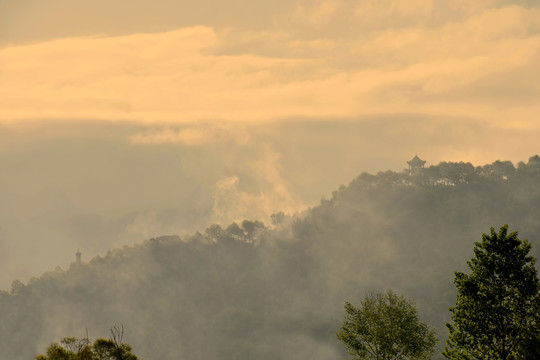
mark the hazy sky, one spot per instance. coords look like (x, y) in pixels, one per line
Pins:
(130, 119)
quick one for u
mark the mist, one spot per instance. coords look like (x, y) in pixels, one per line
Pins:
(233, 171)
(276, 291)
(95, 186)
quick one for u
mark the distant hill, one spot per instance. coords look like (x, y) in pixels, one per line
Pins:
(251, 291)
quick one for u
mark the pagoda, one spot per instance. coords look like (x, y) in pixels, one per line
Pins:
(416, 163)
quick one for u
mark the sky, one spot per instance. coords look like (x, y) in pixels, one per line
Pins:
(125, 120)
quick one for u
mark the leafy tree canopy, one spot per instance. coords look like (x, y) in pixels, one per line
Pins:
(71, 348)
(496, 315)
(386, 326)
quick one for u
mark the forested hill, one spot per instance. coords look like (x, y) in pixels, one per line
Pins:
(260, 292)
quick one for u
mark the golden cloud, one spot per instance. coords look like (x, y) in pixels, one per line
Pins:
(463, 68)
(194, 135)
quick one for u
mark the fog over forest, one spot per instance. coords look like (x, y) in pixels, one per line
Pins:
(276, 291)
(93, 186)
(194, 151)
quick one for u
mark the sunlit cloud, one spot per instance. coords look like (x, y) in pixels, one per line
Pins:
(462, 66)
(255, 187)
(315, 13)
(193, 135)
(232, 202)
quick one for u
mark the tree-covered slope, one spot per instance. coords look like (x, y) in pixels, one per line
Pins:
(277, 292)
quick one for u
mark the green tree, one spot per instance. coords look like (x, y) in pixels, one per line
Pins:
(386, 326)
(71, 348)
(496, 315)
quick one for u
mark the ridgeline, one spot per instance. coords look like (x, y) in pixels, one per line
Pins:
(255, 291)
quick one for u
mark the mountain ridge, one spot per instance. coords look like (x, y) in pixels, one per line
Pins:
(276, 291)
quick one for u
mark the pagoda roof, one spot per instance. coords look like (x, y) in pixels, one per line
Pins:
(416, 160)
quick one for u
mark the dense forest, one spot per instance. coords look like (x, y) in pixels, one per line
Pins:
(277, 291)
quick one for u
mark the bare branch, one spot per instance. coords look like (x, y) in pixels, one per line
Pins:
(117, 334)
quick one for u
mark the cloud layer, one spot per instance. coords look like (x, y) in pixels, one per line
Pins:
(322, 59)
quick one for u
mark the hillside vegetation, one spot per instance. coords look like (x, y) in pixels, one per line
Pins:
(250, 291)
